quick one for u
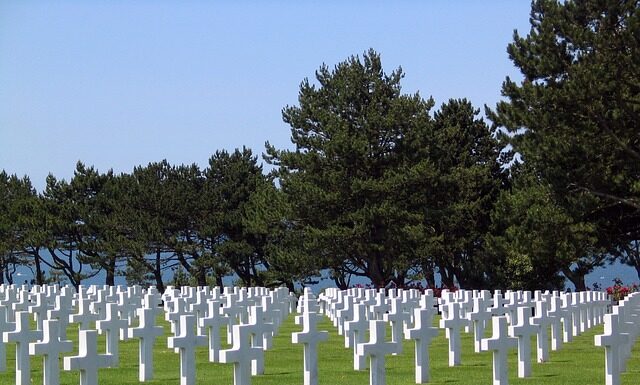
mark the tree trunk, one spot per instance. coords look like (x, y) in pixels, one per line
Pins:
(39, 277)
(446, 277)
(577, 278)
(201, 275)
(110, 268)
(157, 272)
(429, 274)
(219, 282)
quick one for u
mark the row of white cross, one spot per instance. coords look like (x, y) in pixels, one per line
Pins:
(621, 330)
(196, 315)
(252, 317)
(515, 317)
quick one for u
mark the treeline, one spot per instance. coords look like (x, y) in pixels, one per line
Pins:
(379, 183)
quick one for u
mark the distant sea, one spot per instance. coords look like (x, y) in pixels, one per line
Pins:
(603, 276)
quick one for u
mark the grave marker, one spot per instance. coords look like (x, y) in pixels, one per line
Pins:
(523, 331)
(611, 341)
(422, 332)
(241, 354)
(185, 342)
(147, 332)
(310, 337)
(22, 336)
(453, 323)
(50, 348)
(210, 325)
(499, 343)
(88, 360)
(376, 349)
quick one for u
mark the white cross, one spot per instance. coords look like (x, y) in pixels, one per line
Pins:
(84, 316)
(241, 354)
(147, 332)
(185, 342)
(260, 328)
(233, 310)
(498, 304)
(567, 329)
(542, 336)
(5, 326)
(111, 324)
(422, 332)
(358, 330)
(61, 311)
(10, 297)
(556, 314)
(39, 309)
(22, 336)
(50, 348)
(176, 313)
(211, 325)
(380, 308)
(575, 314)
(478, 318)
(611, 340)
(397, 318)
(88, 360)
(453, 323)
(499, 343)
(376, 349)
(310, 337)
(523, 331)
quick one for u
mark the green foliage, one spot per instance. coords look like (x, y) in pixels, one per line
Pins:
(536, 238)
(355, 136)
(18, 210)
(461, 192)
(574, 117)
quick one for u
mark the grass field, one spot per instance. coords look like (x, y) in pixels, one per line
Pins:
(579, 363)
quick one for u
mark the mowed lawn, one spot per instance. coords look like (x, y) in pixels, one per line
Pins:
(579, 363)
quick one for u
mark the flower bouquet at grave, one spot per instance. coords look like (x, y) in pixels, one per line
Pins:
(619, 291)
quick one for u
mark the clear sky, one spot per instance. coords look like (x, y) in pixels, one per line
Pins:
(118, 84)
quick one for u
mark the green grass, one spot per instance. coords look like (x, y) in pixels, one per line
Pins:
(579, 363)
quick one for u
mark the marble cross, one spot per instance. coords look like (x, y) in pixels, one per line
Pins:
(523, 331)
(567, 322)
(499, 343)
(147, 332)
(39, 309)
(61, 311)
(260, 328)
(542, 334)
(50, 348)
(185, 342)
(88, 361)
(376, 349)
(555, 314)
(211, 325)
(453, 323)
(110, 325)
(422, 332)
(241, 354)
(397, 317)
(478, 318)
(22, 336)
(5, 326)
(358, 330)
(611, 341)
(310, 337)
(84, 316)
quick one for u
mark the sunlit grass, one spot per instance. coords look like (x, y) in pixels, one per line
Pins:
(579, 363)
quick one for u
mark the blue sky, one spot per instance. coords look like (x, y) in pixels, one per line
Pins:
(118, 84)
